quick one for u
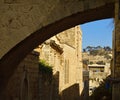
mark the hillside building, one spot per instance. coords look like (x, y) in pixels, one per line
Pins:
(97, 73)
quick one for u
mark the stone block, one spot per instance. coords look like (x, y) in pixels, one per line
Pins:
(117, 45)
(117, 58)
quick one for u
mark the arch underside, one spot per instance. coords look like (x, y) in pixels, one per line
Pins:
(9, 61)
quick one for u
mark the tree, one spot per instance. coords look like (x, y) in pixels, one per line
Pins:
(98, 47)
(45, 68)
(107, 48)
(89, 48)
(84, 50)
(94, 52)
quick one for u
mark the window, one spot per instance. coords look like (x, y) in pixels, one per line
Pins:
(66, 71)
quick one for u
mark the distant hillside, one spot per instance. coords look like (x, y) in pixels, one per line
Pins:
(97, 55)
(102, 51)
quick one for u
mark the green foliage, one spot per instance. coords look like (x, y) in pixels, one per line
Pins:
(45, 68)
(90, 62)
(102, 92)
(97, 52)
(107, 48)
(94, 52)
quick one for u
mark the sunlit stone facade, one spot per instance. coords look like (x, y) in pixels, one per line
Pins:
(64, 53)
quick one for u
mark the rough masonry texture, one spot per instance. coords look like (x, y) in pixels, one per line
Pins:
(24, 24)
(24, 83)
(116, 54)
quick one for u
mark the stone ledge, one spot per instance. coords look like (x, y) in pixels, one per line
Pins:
(35, 53)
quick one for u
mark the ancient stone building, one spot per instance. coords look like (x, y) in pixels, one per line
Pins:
(63, 52)
(97, 74)
(24, 83)
(24, 24)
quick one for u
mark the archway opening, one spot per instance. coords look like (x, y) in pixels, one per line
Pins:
(9, 60)
(65, 47)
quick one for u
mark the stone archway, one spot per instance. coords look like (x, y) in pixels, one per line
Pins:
(55, 21)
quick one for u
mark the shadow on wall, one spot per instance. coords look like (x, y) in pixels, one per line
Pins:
(23, 84)
(104, 91)
(49, 86)
(49, 89)
(71, 93)
(29, 83)
(85, 92)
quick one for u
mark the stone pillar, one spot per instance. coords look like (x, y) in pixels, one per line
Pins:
(116, 54)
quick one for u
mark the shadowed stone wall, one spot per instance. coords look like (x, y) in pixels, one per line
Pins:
(23, 84)
(116, 55)
(48, 86)
(71, 93)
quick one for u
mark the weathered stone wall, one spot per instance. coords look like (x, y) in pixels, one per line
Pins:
(27, 70)
(67, 36)
(116, 54)
(71, 93)
(48, 86)
(45, 88)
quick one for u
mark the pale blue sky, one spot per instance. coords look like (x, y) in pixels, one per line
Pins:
(98, 33)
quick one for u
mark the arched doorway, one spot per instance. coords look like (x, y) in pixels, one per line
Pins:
(24, 87)
(25, 90)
